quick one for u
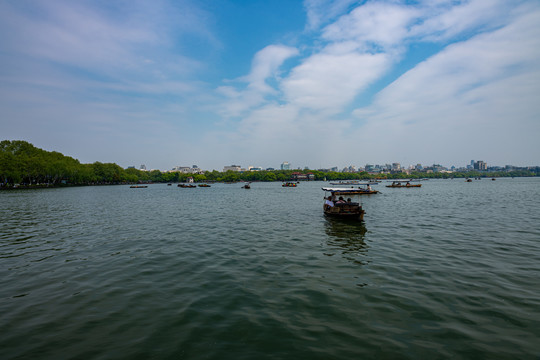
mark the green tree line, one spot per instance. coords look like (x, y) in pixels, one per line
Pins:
(23, 164)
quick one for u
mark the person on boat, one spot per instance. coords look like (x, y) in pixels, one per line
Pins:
(349, 201)
(369, 188)
(341, 200)
(328, 203)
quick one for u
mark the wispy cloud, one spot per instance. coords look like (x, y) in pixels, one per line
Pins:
(457, 93)
(99, 43)
(320, 12)
(329, 81)
(265, 67)
(469, 99)
(386, 75)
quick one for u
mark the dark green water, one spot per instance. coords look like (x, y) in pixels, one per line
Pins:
(449, 270)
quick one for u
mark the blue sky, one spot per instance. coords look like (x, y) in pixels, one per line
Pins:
(315, 83)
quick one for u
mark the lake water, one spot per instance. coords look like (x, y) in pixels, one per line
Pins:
(448, 270)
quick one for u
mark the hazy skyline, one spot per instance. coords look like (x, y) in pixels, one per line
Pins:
(315, 83)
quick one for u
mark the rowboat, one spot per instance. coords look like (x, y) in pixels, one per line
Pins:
(399, 184)
(348, 182)
(339, 208)
(289, 184)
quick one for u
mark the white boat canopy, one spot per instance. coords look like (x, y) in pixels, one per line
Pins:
(332, 189)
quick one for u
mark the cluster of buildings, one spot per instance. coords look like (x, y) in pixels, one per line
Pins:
(479, 165)
(284, 166)
(194, 169)
(393, 168)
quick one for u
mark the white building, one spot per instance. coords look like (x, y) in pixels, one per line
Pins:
(187, 170)
(232, 168)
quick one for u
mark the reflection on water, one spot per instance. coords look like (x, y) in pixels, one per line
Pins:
(347, 238)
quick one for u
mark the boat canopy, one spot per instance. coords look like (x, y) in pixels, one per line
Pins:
(403, 181)
(354, 184)
(337, 190)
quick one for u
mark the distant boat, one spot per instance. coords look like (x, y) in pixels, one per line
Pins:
(204, 185)
(186, 186)
(138, 186)
(348, 182)
(246, 186)
(289, 184)
(361, 189)
(399, 184)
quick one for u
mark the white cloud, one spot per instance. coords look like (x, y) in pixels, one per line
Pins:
(328, 82)
(442, 21)
(265, 66)
(381, 24)
(320, 12)
(93, 71)
(459, 93)
(468, 100)
(82, 40)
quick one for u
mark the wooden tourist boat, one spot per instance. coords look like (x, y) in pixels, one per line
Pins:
(186, 186)
(289, 184)
(355, 182)
(360, 189)
(399, 184)
(342, 210)
(138, 186)
(246, 186)
(204, 185)
(348, 182)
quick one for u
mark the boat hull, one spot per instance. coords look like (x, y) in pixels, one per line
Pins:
(359, 192)
(345, 212)
(403, 186)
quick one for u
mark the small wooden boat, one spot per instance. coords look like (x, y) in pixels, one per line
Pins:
(138, 186)
(339, 209)
(289, 184)
(468, 180)
(186, 186)
(399, 184)
(349, 182)
(361, 189)
(246, 186)
(204, 185)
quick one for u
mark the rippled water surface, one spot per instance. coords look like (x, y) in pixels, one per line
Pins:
(448, 270)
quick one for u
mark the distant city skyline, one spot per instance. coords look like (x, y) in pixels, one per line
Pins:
(317, 83)
(472, 165)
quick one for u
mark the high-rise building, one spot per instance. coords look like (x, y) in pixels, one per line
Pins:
(285, 166)
(480, 165)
